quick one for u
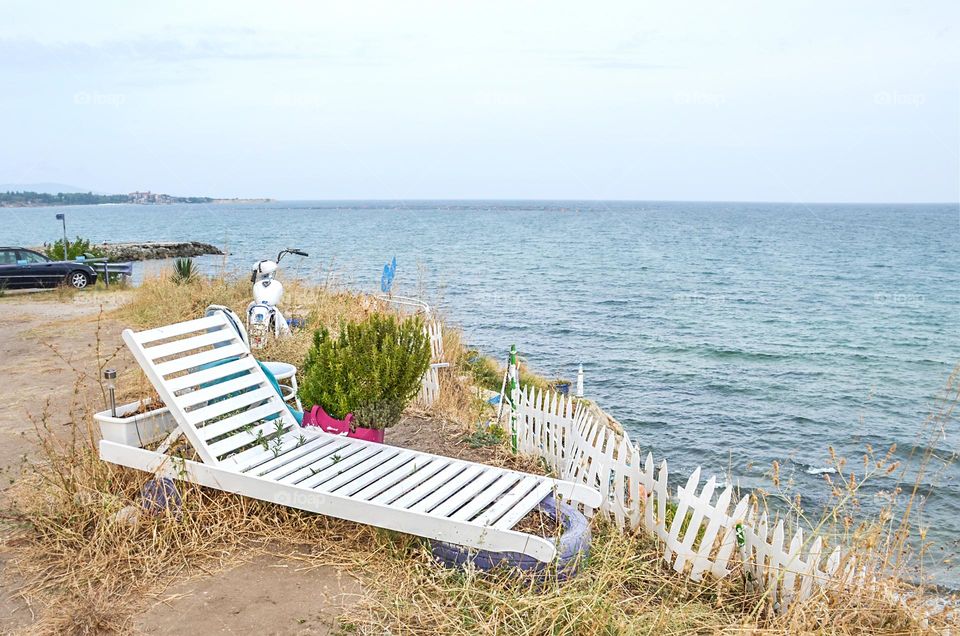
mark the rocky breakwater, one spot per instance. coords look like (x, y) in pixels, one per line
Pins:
(157, 250)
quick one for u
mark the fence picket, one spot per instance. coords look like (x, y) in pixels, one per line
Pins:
(701, 561)
(730, 538)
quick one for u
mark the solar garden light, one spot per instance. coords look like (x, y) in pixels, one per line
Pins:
(110, 377)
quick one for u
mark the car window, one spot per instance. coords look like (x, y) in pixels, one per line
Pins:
(31, 257)
(8, 257)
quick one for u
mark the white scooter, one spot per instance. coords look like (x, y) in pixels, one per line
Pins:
(263, 316)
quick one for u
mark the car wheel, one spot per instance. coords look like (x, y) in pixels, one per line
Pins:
(77, 280)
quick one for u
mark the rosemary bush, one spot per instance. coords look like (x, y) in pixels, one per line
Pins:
(370, 368)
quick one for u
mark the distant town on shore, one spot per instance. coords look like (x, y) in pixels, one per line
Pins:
(25, 199)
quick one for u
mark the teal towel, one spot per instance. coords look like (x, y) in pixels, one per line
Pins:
(276, 387)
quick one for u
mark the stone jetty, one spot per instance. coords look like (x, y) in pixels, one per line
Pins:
(157, 250)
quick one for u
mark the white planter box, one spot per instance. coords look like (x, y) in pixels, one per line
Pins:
(135, 430)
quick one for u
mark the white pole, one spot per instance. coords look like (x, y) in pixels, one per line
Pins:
(580, 381)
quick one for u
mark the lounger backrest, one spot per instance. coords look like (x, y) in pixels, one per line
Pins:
(216, 390)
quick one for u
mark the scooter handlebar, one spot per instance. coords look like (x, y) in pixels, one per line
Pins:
(291, 251)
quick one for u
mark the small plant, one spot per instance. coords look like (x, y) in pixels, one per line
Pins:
(371, 369)
(277, 444)
(184, 271)
(262, 441)
(486, 436)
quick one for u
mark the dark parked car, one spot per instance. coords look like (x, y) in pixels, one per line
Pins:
(25, 269)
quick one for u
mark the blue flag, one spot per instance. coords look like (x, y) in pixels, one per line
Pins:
(386, 280)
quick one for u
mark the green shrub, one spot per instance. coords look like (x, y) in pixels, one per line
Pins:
(371, 369)
(77, 247)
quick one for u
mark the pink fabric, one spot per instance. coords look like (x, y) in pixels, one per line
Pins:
(316, 416)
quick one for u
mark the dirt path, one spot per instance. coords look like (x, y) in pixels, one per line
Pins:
(47, 345)
(276, 597)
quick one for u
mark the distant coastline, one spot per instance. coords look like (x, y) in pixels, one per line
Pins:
(26, 199)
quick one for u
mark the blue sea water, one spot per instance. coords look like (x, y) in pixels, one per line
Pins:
(726, 335)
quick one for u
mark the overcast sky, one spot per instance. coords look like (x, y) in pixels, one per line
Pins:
(769, 101)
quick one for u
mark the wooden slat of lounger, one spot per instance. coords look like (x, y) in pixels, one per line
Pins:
(425, 504)
(336, 445)
(178, 329)
(220, 389)
(320, 462)
(396, 485)
(359, 470)
(240, 439)
(204, 376)
(504, 502)
(273, 463)
(330, 469)
(455, 500)
(222, 407)
(518, 511)
(188, 344)
(490, 494)
(411, 496)
(530, 483)
(233, 423)
(176, 365)
(402, 463)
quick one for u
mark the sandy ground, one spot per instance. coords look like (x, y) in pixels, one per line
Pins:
(277, 597)
(46, 342)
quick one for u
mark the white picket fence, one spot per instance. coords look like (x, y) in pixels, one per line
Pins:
(429, 387)
(434, 329)
(430, 384)
(702, 530)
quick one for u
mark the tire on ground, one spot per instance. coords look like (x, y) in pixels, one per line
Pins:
(573, 548)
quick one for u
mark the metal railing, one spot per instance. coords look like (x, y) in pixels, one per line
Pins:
(101, 266)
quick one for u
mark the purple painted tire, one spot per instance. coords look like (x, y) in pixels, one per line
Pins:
(573, 548)
(160, 495)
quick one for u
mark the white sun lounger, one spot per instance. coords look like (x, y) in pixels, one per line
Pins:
(250, 444)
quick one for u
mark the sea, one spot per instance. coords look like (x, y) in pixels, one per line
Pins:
(723, 335)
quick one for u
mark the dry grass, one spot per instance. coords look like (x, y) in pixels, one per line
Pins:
(622, 590)
(88, 572)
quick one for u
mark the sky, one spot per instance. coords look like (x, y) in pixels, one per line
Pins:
(730, 101)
